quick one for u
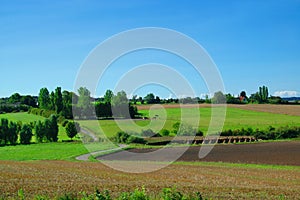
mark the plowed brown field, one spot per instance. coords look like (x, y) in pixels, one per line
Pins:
(213, 181)
(275, 153)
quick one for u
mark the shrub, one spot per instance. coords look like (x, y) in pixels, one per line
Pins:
(165, 132)
(139, 195)
(187, 130)
(122, 137)
(199, 133)
(103, 195)
(171, 194)
(134, 139)
(176, 127)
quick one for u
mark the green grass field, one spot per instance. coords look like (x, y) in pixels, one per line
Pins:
(44, 151)
(235, 119)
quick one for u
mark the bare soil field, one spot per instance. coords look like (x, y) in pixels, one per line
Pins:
(276, 109)
(275, 153)
(213, 181)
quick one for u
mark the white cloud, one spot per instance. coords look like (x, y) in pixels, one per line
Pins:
(287, 93)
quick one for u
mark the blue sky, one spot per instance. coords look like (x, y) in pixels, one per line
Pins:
(253, 43)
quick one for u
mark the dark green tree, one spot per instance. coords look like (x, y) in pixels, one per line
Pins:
(28, 100)
(15, 98)
(243, 94)
(44, 99)
(52, 101)
(54, 128)
(4, 131)
(263, 94)
(58, 100)
(40, 131)
(47, 130)
(149, 98)
(67, 105)
(103, 110)
(71, 129)
(12, 133)
(25, 134)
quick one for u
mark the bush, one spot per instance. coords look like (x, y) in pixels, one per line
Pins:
(199, 133)
(171, 194)
(122, 137)
(176, 127)
(186, 130)
(139, 195)
(136, 140)
(165, 132)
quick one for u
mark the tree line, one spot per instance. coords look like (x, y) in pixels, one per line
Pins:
(63, 103)
(12, 133)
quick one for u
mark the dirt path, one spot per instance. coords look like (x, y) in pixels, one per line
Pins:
(85, 157)
(89, 133)
(277, 153)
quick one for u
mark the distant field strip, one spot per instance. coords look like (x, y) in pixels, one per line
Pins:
(236, 118)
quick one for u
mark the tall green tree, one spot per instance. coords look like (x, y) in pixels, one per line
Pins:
(84, 103)
(4, 131)
(149, 98)
(121, 106)
(47, 130)
(28, 100)
(261, 96)
(54, 128)
(108, 96)
(52, 101)
(264, 94)
(25, 134)
(120, 99)
(40, 131)
(44, 98)
(218, 98)
(15, 98)
(71, 129)
(12, 133)
(67, 105)
(58, 100)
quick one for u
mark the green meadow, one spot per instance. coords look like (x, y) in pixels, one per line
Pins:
(235, 119)
(43, 151)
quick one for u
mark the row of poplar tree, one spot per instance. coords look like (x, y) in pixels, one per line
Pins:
(12, 133)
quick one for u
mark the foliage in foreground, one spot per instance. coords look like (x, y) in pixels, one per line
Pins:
(137, 194)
